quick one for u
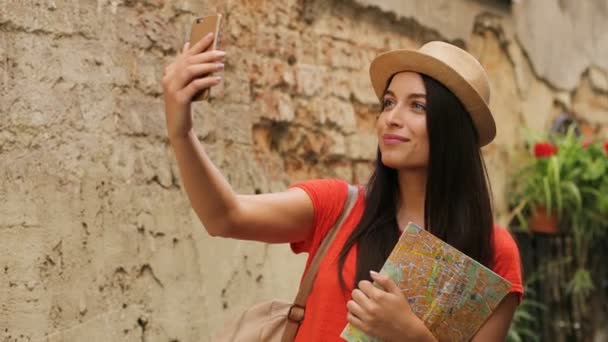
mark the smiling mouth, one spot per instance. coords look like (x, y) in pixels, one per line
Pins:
(393, 139)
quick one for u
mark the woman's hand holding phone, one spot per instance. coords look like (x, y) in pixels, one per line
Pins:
(190, 73)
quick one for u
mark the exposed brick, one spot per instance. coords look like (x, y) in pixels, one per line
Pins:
(309, 79)
(276, 106)
(362, 146)
(339, 113)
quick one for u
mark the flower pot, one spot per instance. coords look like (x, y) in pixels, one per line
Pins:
(543, 222)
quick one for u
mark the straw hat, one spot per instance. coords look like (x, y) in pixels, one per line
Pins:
(453, 67)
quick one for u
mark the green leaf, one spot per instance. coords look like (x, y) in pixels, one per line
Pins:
(553, 170)
(513, 336)
(523, 316)
(534, 304)
(581, 284)
(574, 191)
(547, 189)
(594, 169)
(529, 333)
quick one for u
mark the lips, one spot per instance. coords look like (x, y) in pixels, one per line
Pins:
(392, 139)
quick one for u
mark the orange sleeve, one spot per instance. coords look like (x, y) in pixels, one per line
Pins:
(507, 262)
(328, 197)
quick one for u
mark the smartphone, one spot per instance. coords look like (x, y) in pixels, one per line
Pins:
(200, 28)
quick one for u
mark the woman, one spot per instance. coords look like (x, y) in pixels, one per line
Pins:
(429, 171)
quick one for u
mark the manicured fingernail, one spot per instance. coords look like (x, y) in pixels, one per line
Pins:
(218, 78)
(220, 53)
(374, 274)
(220, 66)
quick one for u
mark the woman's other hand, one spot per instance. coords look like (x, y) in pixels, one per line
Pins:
(183, 79)
(385, 313)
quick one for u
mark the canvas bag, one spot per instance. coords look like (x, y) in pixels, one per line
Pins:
(278, 321)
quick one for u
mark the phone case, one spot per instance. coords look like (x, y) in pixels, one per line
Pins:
(200, 28)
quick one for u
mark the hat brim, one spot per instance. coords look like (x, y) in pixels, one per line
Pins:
(385, 65)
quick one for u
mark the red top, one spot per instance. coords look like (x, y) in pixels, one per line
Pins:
(326, 307)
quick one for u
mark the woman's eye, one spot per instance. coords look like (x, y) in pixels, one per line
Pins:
(387, 103)
(419, 106)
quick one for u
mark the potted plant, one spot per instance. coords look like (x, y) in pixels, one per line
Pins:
(547, 183)
(563, 182)
(589, 224)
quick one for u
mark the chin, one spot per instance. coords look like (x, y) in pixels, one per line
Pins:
(392, 161)
(400, 162)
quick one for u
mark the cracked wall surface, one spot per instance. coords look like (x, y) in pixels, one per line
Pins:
(97, 238)
(577, 31)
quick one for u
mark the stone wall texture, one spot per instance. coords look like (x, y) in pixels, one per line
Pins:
(97, 238)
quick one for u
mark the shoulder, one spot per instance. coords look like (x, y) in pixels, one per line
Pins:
(324, 192)
(328, 197)
(505, 247)
(507, 262)
(503, 240)
(328, 185)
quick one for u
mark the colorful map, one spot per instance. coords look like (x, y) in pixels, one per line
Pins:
(452, 293)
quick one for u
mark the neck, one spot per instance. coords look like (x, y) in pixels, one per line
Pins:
(412, 191)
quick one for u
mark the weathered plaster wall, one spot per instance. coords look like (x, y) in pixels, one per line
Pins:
(97, 240)
(564, 39)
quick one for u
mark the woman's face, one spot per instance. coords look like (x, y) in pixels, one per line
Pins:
(401, 127)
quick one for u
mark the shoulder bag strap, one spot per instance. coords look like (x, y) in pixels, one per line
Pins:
(297, 311)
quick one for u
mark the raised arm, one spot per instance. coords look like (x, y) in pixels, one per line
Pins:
(276, 217)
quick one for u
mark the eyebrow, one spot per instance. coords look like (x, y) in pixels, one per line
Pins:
(410, 96)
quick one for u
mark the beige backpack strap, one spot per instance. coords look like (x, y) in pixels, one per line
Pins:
(296, 313)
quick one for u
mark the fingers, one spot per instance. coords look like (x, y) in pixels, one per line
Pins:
(194, 71)
(356, 310)
(201, 45)
(371, 291)
(362, 299)
(186, 68)
(191, 67)
(186, 74)
(207, 57)
(387, 283)
(352, 319)
(199, 84)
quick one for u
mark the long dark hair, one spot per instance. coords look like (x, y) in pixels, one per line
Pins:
(457, 206)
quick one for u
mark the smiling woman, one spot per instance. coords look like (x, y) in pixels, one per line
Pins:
(429, 170)
(401, 126)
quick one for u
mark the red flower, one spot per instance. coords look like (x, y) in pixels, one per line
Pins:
(586, 143)
(606, 146)
(544, 150)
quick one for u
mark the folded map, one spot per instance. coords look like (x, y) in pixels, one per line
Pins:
(449, 291)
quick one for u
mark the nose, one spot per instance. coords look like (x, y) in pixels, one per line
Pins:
(393, 119)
